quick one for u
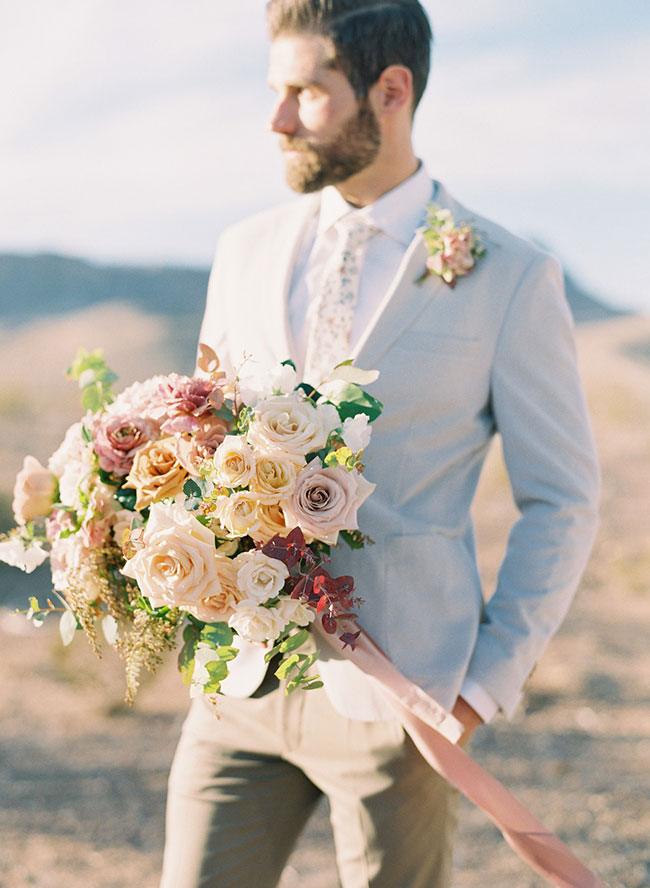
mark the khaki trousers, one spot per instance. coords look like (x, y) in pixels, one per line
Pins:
(243, 784)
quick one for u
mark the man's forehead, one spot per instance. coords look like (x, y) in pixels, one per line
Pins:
(296, 58)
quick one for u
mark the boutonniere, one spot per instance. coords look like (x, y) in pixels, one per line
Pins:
(453, 249)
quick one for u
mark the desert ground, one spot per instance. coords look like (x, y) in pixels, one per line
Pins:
(82, 777)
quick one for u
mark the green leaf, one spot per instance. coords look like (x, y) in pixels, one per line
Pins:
(191, 488)
(294, 641)
(126, 497)
(217, 670)
(227, 653)
(33, 603)
(353, 538)
(212, 687)
(289, 363)
(86, 435)
(287, 665)
(217, 635)
(354, 400)
(186, 660)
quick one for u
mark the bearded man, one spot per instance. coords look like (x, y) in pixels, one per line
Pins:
(493, 354)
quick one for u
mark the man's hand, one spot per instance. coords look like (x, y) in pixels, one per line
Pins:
(468, 717)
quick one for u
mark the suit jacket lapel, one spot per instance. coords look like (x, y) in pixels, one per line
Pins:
(280, 259)
(400, 307)
(405, 298)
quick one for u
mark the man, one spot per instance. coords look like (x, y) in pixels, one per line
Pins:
(495, 353)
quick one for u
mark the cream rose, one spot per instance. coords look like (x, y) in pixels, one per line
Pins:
(178, 566)
(271, 520)
(256, 623)
(325, 501)
(291, 424)
(34, 491)
(234, 462)
(274, 477)
(156, 472)
(237, 513)
(258, 576)
(295, 611)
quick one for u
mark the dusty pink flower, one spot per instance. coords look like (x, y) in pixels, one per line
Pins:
(202, 444)
(186, 400)
(60, 520)
(456, 258)
(34, 491)
(117, 439)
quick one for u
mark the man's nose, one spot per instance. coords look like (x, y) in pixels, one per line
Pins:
(284, 118)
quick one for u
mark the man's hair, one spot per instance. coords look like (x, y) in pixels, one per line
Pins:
(367, 36)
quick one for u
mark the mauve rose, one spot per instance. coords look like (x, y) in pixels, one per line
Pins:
(34, 491)
(186, 400)
(118, 438)
(325, 501)
(202, 444)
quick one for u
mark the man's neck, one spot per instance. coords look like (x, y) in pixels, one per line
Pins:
(386, 173)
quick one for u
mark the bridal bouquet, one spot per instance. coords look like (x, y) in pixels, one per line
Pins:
(202, 505)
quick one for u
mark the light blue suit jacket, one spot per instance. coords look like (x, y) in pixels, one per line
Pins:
(495, 354)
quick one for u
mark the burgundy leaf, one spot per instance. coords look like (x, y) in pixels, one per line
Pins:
(350, 638)
(329, 623)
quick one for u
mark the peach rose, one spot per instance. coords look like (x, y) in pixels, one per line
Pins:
(271, 521)
(34, 491)
(178, 566)
(325, 501)
(156, 472)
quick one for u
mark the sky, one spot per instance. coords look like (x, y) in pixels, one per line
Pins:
(135, 132)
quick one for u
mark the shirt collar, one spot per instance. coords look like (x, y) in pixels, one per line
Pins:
(397, 213)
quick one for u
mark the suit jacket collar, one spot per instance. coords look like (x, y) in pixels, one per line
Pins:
(403, 302)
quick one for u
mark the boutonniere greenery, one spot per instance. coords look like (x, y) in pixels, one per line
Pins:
(453, 249)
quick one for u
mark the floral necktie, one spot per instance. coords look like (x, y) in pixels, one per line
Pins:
(331, 313)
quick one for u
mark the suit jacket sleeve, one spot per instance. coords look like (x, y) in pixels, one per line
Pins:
(540, 412)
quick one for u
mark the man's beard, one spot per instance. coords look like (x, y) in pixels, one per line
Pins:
(353, 148)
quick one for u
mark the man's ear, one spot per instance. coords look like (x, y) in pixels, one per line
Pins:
(393, 90)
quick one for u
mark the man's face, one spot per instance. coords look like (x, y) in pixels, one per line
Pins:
(326, 135)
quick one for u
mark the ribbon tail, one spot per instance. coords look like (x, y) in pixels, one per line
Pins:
(429, 726)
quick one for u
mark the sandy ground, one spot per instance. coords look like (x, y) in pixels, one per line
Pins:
(82, 779)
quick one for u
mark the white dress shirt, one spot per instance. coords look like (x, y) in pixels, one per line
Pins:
(397, 214)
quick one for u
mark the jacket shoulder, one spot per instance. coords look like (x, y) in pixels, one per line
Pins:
(270, 221)
(506, 252)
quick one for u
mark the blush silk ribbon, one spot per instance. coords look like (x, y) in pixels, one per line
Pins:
(424, 718)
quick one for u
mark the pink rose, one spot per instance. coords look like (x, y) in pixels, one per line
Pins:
(186, 400)
(117, 439)
(34, 491)
(325, 501)
(202, 444)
